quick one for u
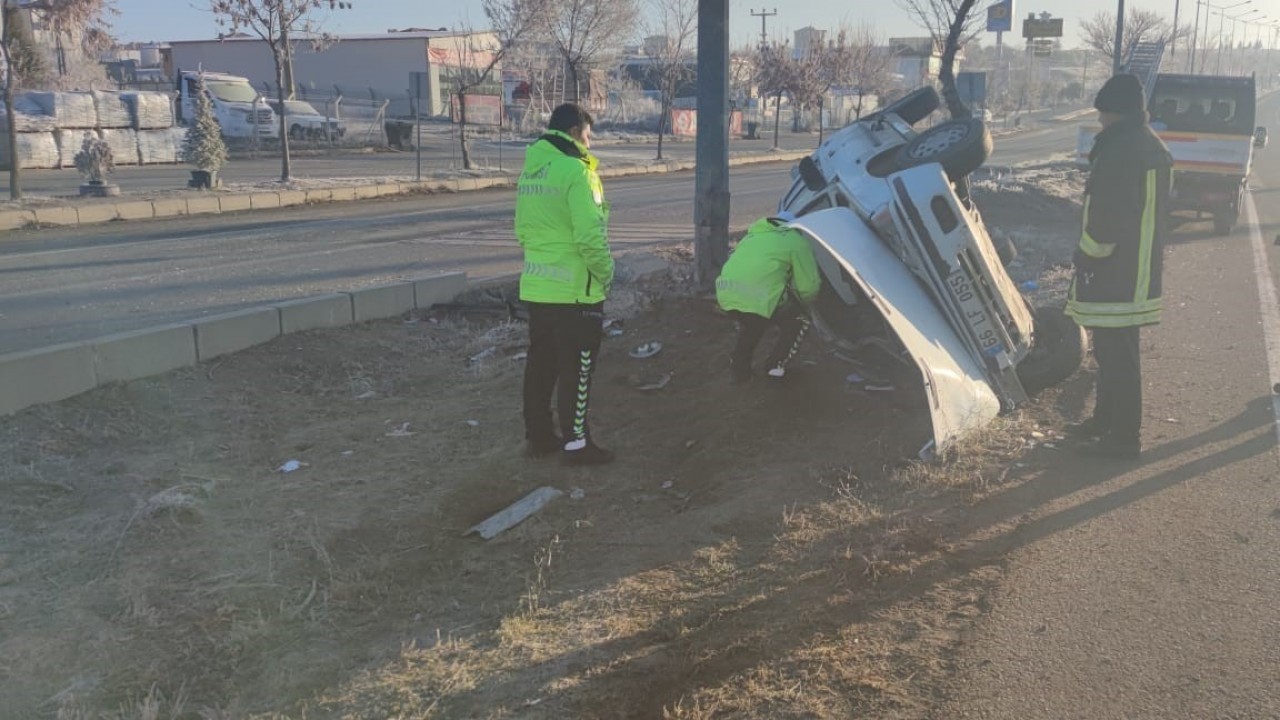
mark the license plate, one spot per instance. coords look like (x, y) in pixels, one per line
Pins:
(975, 315)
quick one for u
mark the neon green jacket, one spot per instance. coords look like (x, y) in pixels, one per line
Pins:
(762, 265)
(562, 223)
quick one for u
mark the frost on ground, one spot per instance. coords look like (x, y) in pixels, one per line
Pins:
(757, 552)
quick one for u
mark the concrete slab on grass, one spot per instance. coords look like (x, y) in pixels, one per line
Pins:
(132, 355)
(366, 192)
(340, 194)
(317, 196)
(438, 289)
(323, 311)
(46, 375)
(383, 301)
(290, 198)
(236, 331)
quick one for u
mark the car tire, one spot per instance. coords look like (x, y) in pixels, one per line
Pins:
(1056, 353)
(1222, 223)
(916, 106)
(295, 132)
(1005, 250)
(960, 146)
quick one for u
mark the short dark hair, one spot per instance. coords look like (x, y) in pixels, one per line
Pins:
(569, 116)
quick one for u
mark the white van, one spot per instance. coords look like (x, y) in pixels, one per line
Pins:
(240, 110)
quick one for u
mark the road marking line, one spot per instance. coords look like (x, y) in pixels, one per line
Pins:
(1270, 310)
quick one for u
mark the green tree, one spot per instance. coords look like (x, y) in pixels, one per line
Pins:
(203, 145)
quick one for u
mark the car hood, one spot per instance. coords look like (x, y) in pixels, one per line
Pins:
(959, 397)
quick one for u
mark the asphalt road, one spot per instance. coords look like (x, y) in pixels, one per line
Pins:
(61, 285)
(1150, 590)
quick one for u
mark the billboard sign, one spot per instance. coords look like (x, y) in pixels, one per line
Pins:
(1041, 27)
(1000, 16)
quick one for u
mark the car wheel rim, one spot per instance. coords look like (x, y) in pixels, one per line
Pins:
(938, 142)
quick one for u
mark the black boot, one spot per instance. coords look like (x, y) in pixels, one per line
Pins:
(591, 454)
(543, 445)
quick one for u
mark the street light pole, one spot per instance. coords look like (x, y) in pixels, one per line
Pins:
(1195, 40)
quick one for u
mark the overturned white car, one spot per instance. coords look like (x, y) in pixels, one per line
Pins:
(912, 284)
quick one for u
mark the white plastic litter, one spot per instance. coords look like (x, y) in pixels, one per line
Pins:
(668, 485)
(289, 466)
(577, 493)
(473, 423)
(655, 384)
(646, 350)
(402, 431)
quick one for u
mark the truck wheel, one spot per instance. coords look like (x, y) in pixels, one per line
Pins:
(1222, 223)
(960, 146)
(916, 106)
(1057, 352)
(295, 132)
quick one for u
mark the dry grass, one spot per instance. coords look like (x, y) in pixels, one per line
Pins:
(767, 556)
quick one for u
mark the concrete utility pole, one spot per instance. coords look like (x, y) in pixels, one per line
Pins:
(764, 31)
(1117, 59)
(711, 178)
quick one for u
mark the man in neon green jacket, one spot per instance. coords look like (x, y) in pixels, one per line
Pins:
(562, 224)
(752, 287)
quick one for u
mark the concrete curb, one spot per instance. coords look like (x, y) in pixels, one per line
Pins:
(213, 204)
(45, 375)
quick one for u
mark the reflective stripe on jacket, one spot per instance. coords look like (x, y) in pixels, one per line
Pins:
(761, 266)
(562, 224)
(1119, 259)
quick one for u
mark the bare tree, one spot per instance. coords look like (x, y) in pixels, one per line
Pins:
(813, 72)
(84, 24)
(675, 23)
(952, 24)
(1139, 26)
(582, 29)
(866, 64)
(278, 22)
(479, 54)
(23, 64)
(774, 71)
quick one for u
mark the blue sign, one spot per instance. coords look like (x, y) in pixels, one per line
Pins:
(1000, 16)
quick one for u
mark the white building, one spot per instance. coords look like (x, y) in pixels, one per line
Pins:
(396, 64)
(918, 60)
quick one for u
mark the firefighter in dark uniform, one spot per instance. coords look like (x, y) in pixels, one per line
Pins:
(1116, 290)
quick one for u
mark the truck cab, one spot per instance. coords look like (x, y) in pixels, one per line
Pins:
(1207, 122)
(240, 110)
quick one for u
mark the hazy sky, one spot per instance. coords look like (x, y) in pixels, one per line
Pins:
(162, 20)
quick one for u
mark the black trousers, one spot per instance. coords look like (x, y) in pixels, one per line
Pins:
(1118, 396)
(564, 343)
(792, 324)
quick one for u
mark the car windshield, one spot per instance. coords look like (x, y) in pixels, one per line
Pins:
(232, 91)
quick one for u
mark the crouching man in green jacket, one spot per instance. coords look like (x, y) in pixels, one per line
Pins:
(562, 224)
(752, 287)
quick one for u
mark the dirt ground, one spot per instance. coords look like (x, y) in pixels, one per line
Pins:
(759, 552)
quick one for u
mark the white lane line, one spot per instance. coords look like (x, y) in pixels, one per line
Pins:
(1269, 307)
